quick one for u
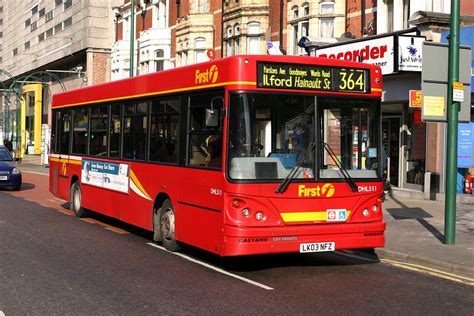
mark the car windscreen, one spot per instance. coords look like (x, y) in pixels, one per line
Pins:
(5, 155)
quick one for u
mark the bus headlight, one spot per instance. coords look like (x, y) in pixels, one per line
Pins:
(365, 212)
(246, 212)
(375, 208)
(16, 171)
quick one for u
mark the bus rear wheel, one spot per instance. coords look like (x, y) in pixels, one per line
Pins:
(75, 204)
(168, 226)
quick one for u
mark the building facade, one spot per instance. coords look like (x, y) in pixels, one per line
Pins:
(49, 46)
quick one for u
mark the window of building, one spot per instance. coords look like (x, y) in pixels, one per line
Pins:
(67, 22)
(1, 34)
(99, 126)
(41, 37)
(34, 10)
(228, 41)
(80, 130)
(49, 32)
(135, 123)
(390, 16)
(326, 24)
(164, 127)
(305, 7)
(34, 26)
(42, 12)
(199, 50)
(67, 4)
(27, 22)
(253, 38)
(58, 28)
(15, 52)
(58, 2)
(49, 16)
(205, 139)
(27, 45)
(295, 11)
(236, 39)
(159, 60)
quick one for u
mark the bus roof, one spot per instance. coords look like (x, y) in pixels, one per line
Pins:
(240, 72)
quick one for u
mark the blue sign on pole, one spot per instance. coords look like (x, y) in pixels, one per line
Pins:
(465, 145)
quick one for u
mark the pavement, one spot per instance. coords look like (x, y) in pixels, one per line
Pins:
(414, 235)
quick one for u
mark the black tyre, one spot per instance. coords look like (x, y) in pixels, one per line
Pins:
(168, 226)
(75, 204)
(156, 225)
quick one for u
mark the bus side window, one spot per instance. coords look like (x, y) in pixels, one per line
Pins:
(164, 127)
(64, 123)
(115, 128)
(204, 139)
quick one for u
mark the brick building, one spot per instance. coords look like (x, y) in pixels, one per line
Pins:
(171, 34)
(47, 46)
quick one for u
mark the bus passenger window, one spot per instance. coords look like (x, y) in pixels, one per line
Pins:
(98, 134)
(202, 136)
(115, 126)
(80, 130)
(164, 130)
(64, 123)
(134, 131)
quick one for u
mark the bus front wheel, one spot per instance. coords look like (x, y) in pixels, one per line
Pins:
(168, 226)
(76, 200)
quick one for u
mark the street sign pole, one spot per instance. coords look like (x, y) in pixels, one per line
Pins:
(453, 112)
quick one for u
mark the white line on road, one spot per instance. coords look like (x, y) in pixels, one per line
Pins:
(2, 313)
(263, 286)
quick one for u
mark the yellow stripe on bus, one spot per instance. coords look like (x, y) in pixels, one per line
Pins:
(138, 184)
(306, 216)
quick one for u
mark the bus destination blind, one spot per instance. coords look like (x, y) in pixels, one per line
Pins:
(308, 77)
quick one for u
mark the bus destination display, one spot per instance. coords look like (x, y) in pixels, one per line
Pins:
(308, 77)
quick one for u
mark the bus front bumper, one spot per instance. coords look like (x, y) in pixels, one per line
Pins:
(249, 241)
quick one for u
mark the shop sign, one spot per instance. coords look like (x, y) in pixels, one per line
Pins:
(465, 145)
(378, 51)
(410, 53)
(415, 98)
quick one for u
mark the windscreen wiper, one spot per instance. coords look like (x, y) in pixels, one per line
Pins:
(344, 172)
(294, 171)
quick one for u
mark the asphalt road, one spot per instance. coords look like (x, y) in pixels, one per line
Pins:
(54, 263)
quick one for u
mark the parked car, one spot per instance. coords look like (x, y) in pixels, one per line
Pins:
(10, 174)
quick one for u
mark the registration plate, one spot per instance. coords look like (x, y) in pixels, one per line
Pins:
(318, 247)
(3, 177)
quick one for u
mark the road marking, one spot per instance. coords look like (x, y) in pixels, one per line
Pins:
(235, 276)
(430, 271)
(2, 313)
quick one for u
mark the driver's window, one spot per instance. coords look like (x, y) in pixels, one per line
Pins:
(205, 113)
